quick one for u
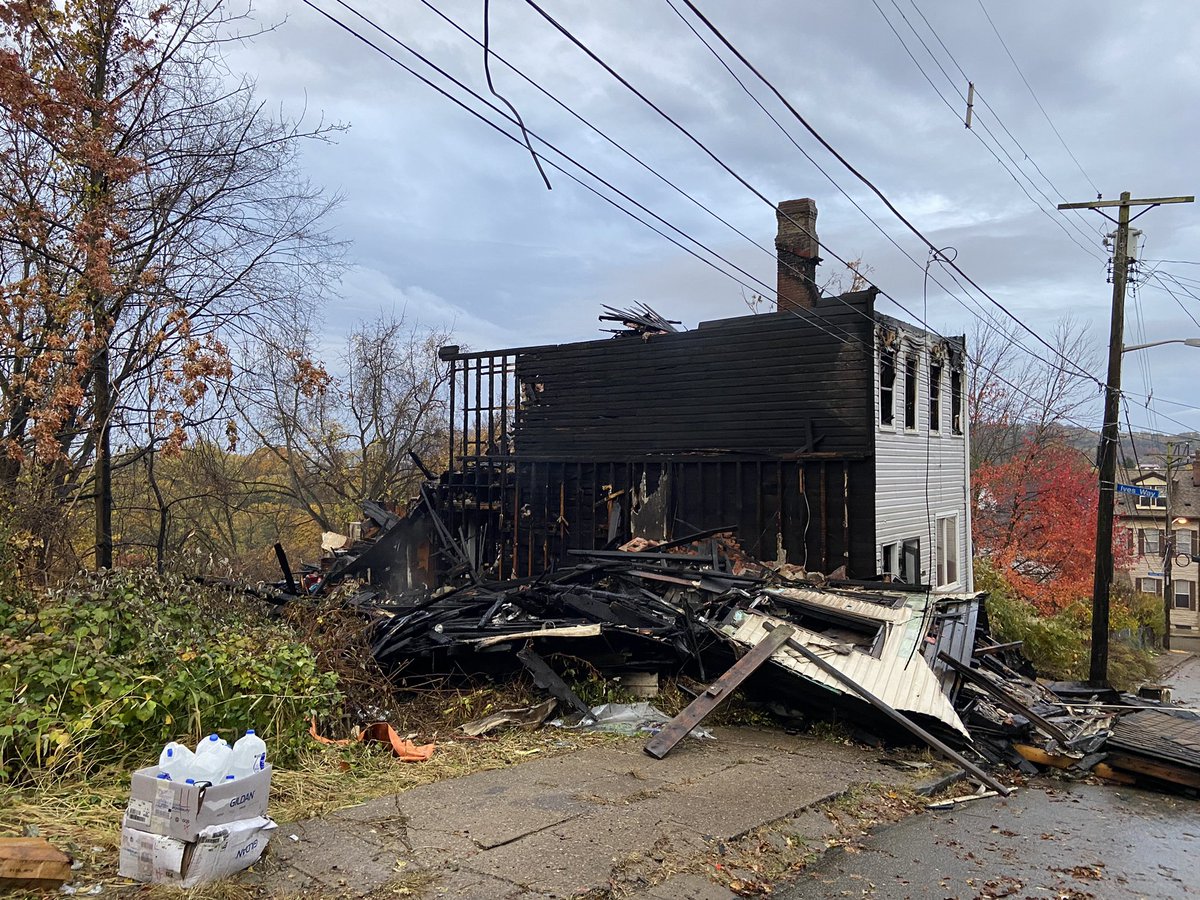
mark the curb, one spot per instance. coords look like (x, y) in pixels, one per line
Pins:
(940, 784)
(1174, 666)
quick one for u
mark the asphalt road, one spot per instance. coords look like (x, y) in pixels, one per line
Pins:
(1185, 683)
(1052, 839)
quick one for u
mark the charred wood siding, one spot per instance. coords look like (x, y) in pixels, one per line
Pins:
(764, 423)
(758, 384)
(807, 512)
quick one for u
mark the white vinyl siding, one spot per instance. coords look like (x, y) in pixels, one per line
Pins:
(921, 476)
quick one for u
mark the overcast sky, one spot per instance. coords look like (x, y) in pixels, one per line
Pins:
(449, 221)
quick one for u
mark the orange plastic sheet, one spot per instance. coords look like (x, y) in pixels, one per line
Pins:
(380, 733)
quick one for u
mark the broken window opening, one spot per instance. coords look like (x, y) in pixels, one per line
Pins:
(887, 387)
(890, 564)
(935, 397)
(956, 401)
(910, 561)
(910, 393)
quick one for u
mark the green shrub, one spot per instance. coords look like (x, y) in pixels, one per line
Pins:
(112, 666)
(1059, 645)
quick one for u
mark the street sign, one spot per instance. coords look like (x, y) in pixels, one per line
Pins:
(1150, 493)
(1155, 574)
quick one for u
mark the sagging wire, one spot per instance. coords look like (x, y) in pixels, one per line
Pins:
(487, 71)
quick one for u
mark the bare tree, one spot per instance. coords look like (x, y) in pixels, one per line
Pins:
(343, 439)
(153, 213)
(1018, 399)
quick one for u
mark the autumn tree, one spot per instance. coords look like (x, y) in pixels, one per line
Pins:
(1022, 401)
(350, 433)
(152, 214)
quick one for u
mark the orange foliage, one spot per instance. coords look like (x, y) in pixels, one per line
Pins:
(1035, 517)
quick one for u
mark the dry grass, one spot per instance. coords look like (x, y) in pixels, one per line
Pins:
(84, 819)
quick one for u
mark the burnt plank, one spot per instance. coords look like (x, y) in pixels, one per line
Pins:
(548, 680)
(1004, 698)
(716, 693)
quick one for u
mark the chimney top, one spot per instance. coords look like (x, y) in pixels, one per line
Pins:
(798, 253)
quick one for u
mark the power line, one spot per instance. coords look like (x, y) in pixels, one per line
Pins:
(549, 162)
(1033, 94)
(515, 139)
(1075, 220)
(854, 171)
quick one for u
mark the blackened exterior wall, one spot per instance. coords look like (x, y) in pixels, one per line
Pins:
(757, 384)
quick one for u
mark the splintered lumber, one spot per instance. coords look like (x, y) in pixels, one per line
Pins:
(30, 863)
(716, 693)
(548, 680)
(1005, 699)
(1042, 758)
(286, 568)
(1160, 769)
(899, 718)
(1108, 773)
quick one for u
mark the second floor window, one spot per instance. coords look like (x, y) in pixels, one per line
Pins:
(1183, 542)
(935, 397)
(1150, 542)
(887, 387)
(911, 368)
(956, 401)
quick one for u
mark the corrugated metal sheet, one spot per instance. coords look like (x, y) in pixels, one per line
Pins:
(955, 620)
(898, 677)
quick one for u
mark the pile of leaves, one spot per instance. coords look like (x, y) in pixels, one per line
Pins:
(108, 668)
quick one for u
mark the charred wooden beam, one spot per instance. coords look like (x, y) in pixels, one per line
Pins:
(717, 693)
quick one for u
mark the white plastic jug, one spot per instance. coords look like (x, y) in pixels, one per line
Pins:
(212, 759)
(176, 762)
(249, 755)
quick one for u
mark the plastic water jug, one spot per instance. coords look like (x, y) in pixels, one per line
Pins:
(249, 755)
(212, 759)
(176, 762)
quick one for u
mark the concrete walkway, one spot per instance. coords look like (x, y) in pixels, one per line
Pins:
(567, 826)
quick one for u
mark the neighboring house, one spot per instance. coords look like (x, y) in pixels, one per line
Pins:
(1145, 523)
(830, 435)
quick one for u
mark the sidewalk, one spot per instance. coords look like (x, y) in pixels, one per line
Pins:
(568, 826)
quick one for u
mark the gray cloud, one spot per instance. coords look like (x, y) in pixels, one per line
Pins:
(450, 220)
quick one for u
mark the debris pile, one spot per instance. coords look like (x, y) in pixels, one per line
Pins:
(894, 659)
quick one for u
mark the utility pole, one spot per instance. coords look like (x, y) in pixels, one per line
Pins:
(1110, 432)
(1168, 546)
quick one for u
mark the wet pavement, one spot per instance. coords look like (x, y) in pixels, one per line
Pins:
(1185, 683)
(1052, 839)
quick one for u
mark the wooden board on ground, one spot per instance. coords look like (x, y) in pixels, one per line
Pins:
(29, 863)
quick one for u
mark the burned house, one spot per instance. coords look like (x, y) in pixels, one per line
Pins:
(832, 437)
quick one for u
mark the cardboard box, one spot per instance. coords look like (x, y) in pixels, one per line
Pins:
(181, 811)
(218, 852)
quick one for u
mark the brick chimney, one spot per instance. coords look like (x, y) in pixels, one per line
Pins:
(1196, 469)
(798, 253)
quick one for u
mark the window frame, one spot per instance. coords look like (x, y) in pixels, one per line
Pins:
(1156, 586)
(956, 401)
(912, 393)
(1156, 550)
(1191, 541)
(910, 548)
(890, 559)
(1189, 594)
(947, 551)
(935, 396)
(887, 388)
